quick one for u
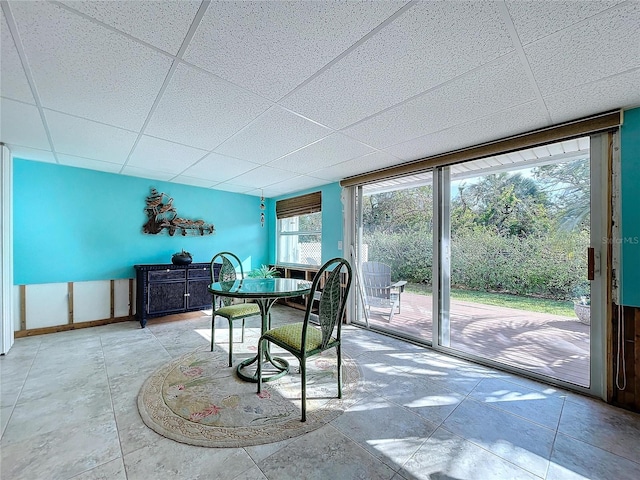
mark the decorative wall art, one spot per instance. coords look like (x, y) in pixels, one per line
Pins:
(162, 215)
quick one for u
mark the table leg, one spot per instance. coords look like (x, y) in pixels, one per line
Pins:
(279, 363)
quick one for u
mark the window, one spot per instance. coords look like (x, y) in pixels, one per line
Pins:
(300, 230)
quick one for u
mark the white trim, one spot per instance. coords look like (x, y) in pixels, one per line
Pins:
(441, 288)
(6, 249)
(599, 161)
(347, 197)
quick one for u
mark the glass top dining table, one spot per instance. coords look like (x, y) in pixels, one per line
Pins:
(265, 292)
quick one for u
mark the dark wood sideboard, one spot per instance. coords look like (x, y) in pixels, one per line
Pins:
(165, 289)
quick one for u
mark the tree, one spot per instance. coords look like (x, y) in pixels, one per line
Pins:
(399, 211)
(569, 185)
(511, 205)
(310, 222)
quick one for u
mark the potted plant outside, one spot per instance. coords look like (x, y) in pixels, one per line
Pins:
(582, 304)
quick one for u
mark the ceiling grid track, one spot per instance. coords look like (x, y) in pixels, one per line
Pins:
(515, 38)
(13, 29)
(361, 41)
(275, 98)
(172, 69)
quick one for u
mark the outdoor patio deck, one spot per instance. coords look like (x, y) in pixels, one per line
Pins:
(547, 344)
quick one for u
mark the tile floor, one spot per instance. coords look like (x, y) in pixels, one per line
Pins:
(68, 411)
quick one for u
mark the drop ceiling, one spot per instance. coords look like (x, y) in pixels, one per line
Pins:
(278, 97)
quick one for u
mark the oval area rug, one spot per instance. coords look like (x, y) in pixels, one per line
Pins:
(197, 399)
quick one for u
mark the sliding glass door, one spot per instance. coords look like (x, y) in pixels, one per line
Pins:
(496, 250)
(519, 293)
(394, 252)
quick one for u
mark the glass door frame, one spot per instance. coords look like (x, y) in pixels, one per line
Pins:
(600, 173)
(600, 151)
(352, 200)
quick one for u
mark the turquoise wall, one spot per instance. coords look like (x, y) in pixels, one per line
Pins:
(72, 224)
(332, 213)
(630, 224)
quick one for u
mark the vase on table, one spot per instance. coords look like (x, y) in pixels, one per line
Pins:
(181, 258)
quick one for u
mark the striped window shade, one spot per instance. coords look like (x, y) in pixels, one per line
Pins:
(302, 205)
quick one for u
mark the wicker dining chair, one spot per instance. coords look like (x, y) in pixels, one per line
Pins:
(226, 267)
(306, 339)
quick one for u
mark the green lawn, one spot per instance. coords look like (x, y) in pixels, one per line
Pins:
(530, 304)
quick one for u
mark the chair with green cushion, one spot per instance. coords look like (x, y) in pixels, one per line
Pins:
(305, 339)
(226, 267)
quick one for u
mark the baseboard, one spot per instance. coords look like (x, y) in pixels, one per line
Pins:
(72, 326)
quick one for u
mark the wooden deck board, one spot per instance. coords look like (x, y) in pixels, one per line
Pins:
(551, 345)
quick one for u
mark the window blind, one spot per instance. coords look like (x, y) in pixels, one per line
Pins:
(302, 205)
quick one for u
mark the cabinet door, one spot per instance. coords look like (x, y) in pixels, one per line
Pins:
(166, 297)
(199, 296)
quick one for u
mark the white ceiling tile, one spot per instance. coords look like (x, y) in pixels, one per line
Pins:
(27, 153)
(621, 91)
(273, 190)
(534, 20)
(366, 163)
(302, 182)
(588, 52)
(147, 173)
(228, 187)
(409, 80)
(262, 176)
(331, 174)
(83, 138)
(201, 110)
(157, 154)
(514, 120)
(196, 182)
(274, 134)
(335, 148)
(13, 81)
(161, 24)
(271, 47)
(484, 91)
(256, 192)
(87, 70)
(21, 124)
(219, 168)
(429, 44)
(89, 163)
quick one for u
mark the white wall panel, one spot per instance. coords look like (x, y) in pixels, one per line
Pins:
(16, 308)
(47, 305)
(121, 307)
(91, 301)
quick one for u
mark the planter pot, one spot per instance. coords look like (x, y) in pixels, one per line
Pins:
(181, 259)
(583, 312)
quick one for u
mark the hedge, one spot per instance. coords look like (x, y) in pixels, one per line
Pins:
(551, 266)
